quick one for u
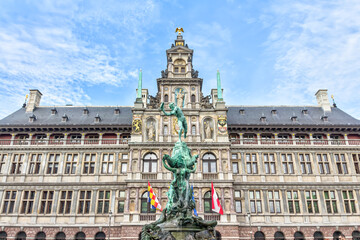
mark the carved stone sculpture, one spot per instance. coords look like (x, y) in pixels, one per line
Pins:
(164, 73)
(180, 98)
(154, 101)
(208, 129)
(205, 102)
(194, 74)
(151, 132)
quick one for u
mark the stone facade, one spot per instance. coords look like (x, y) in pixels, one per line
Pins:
(81, 171)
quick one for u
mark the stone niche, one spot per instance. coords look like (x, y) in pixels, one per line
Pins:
(208, 129)
(150, 134)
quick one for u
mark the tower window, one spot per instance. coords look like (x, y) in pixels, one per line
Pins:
(183, 69)
(193, 98)
(176, 69)
(166, 98)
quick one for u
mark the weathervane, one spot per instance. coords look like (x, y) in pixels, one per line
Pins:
(179, 30)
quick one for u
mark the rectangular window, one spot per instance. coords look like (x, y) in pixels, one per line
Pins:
(166, 130)
(330, 201)
(269, 162)
(17, 163)
(234, 156)
(46, 202)
(287, 163)
(27, 202)
(176, 69)
(251, 164)
(103, 203)
(53, 164)
(356, 159)
(9, 202)
(182, 69)
(293, 201)
(65, 202)
(255, 201)
(89, 163)
(235, 167)
(35, 161)
(349, 201)
(274, 201)
(238, 205)
(121, 202)
(71, 163)
(84, 202)
(123, 167)
(107, 162)
(323, 162)
(124, 156)
(193, 130)
(305, 164)
(312, 202)
(3, 158)
(341, 164)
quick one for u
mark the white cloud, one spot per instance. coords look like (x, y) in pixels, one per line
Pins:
(53, 57)
(317, 46)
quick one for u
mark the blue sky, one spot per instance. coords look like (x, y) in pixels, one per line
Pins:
(268, 52)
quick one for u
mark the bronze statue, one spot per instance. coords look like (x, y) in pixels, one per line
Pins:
(175, 110)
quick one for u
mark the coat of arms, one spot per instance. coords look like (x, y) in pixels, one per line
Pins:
(136, 125)
(222, 124)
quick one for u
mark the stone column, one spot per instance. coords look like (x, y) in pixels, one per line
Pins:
(232, 208)
(137, 201)
(130, 160)
(100, 138)
(117, 138)
(220, 161)
(12, 139)
(139, 161)
(200, 200)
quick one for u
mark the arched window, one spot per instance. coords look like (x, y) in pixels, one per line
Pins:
(166, 130)
(259, 235)
(279, 236)
(336, 235)
(299, 236)
(100, 236)
(3, 235)
(193, 98)
(193, 130)
(20, 236)
(209, 163)
(356, 235)
(80, 236)
(150, 163)
(179, 66)
(145, 205)
(166, 98)
(207, 202)
(60, 236)
(318, 235)
(40, 236)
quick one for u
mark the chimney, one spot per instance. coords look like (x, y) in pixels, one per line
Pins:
(323, 100)
(34, 100)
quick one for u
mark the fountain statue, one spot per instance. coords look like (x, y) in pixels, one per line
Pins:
(177, 220)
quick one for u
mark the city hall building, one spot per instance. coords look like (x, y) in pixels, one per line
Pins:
(81, 172)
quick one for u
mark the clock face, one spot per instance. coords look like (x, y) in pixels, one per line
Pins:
(166, 88)
(193, 88)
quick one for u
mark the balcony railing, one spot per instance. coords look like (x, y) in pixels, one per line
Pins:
(210, 176)
(37, 142)
(149, 176)
(147, 217)
(295, 142)
(211, 217)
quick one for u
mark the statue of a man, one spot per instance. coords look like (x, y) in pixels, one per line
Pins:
(175, 110)
(151, 131)
(207, 130)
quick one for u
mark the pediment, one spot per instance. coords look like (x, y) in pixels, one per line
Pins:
(179, 49)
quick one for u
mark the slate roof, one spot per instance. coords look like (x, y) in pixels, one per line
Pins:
(75, 116)
(252, 115)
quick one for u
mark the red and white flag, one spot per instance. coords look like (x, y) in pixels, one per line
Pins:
(216, 207)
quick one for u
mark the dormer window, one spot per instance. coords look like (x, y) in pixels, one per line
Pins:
(273, 112)
(97, 118)
(53, 111)
(324, 118)
(263, 119)
(32, 118)
(65, 118)
(242, 111)
(117, 111)
(294, 118)
(304, 111)
(85, 111)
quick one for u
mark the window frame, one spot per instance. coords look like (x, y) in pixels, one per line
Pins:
(293, 201)
(27, 202)
(107, 166)
(208, 163)
(65, 203)
(274, 201)
(88, 166)
(312, 201)
(84, 203)
(103, 202)
(52, 163)
(8, 203)
(46, 204)
(255, 200)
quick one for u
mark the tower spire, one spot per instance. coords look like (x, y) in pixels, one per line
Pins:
(219, 91)
(139, 85)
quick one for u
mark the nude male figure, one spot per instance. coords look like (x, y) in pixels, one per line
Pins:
(175, 110)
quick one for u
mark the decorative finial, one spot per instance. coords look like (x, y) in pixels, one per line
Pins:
(179, 30)
(332, 97)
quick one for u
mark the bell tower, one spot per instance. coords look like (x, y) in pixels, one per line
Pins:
(179, 82)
